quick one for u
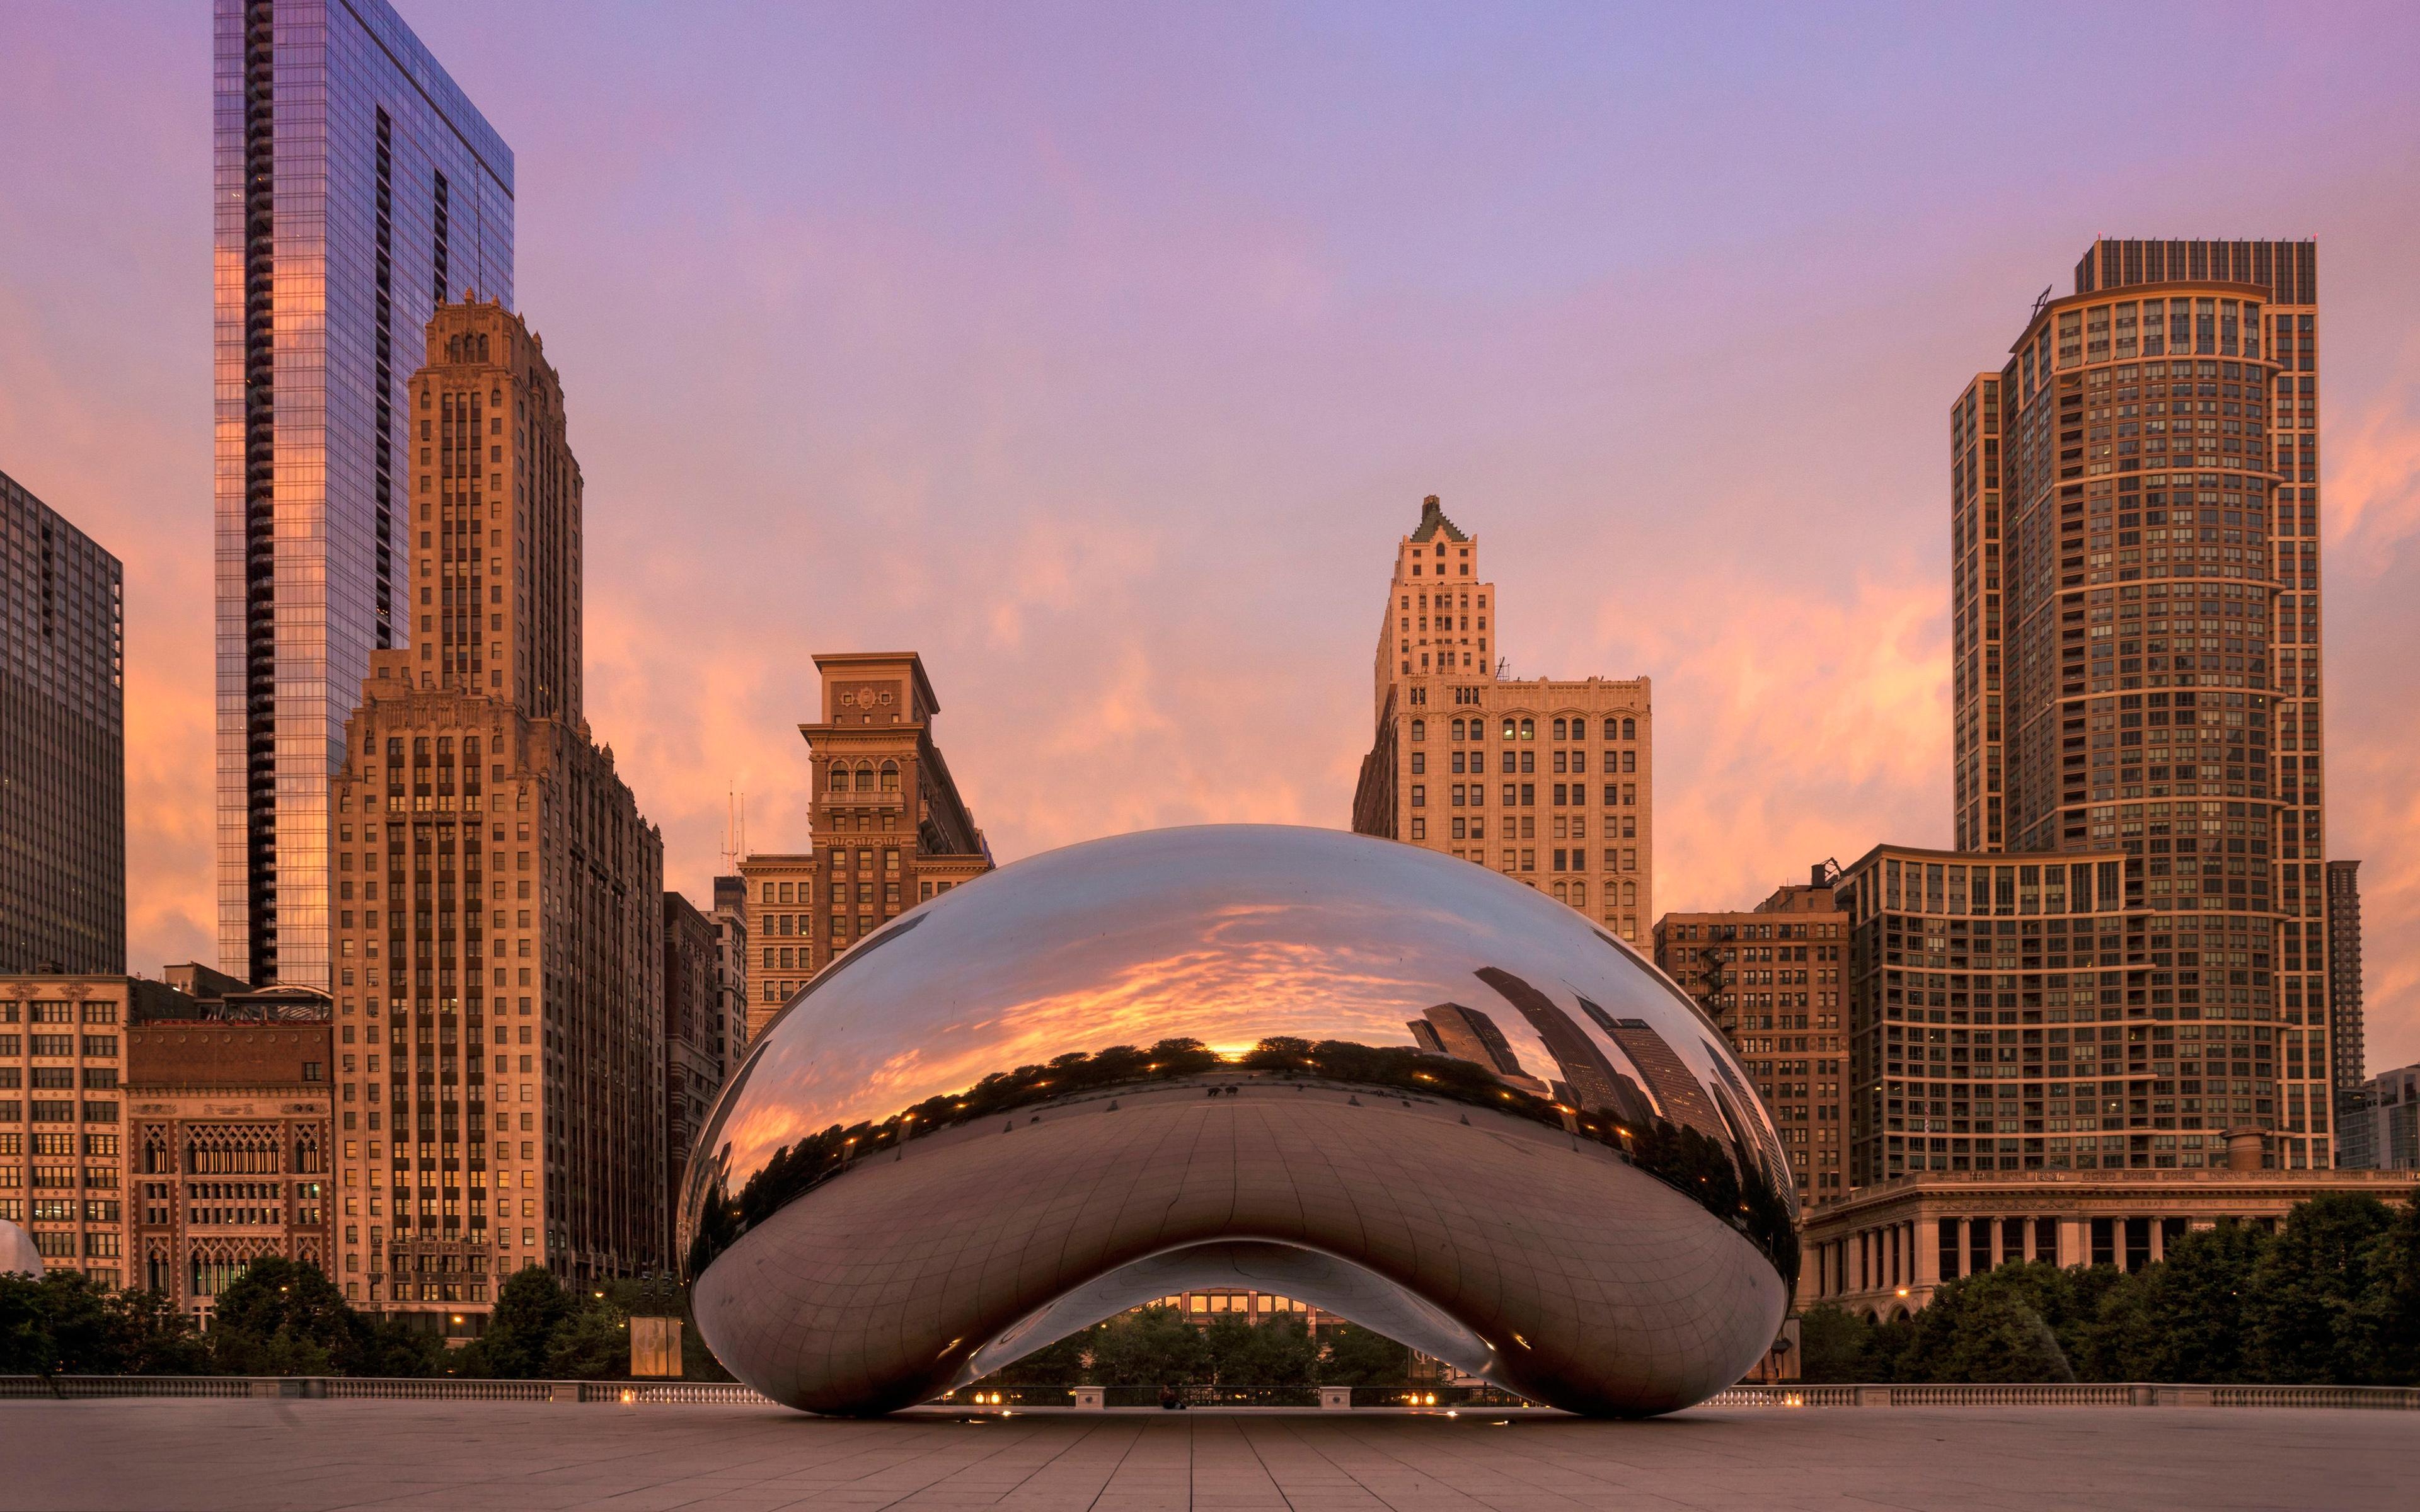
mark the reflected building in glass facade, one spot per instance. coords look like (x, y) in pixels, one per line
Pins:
(1360, 1076)
(355, 190)
(62, 745)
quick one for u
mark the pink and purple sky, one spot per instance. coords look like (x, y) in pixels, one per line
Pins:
(1101, 353)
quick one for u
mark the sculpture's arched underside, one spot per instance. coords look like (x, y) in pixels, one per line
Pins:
(1196, 1060)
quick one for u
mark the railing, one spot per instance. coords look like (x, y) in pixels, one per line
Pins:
(2070, 1394)
(708, 1393)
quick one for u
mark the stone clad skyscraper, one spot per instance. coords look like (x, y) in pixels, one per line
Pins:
(356, 190)
(498, 898)
(1550, 782)
(2135, 623)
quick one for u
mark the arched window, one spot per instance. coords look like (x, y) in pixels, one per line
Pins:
(1630, 730)
(1512, 731)
(1457, 729)
(1419, 730)
(1630, 893)
(1562, 894)
(865, 779)
(1579, 895)
(1528, 729)
(839, 777)
(1559, 729)
(889, 777)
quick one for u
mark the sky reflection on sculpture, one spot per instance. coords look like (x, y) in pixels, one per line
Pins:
(1226, 934)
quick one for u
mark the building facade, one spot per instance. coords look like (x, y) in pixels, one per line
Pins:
(2030, 1012)
(2136, 612)
(1886, 1249)
(2344, 1038)
(62, 744)
(357, 189)
(62, 1114)
(1465, 762)
(2381, 1122)
(891, 827)
(498, 898)
(729, 920)
(695, 1045)
(229, 1143)
(1772, 979)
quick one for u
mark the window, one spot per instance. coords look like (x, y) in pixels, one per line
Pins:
(1419, 730)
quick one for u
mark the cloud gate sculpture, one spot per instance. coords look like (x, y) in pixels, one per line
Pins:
(1394, 1085)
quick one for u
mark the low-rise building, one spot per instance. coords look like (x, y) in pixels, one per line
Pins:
(229, 1142)
(1884, 1249)
(62, 1114)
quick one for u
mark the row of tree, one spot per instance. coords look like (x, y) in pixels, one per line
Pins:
(284, 1318)
(1158, 1346)
(2331, 1297)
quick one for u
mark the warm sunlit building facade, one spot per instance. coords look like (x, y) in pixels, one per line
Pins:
(229, 1143)
(891, 827)
(2135, 602)
(357, 189)
(1548, 782)
(1771, 979)
(2028, 1010)
(498, 897)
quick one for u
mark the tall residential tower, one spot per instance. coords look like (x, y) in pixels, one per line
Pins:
(2134, 594)
(356, 190)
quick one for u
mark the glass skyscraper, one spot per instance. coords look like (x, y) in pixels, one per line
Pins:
(357, 187)
(62, 746)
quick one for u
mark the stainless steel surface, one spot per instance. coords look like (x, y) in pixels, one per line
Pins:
(1425, 1096)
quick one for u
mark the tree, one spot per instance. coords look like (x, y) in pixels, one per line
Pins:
(1154, 1346)
(2303, 1320)
(2022, 1321)
(1355, 1356)
(2388, 1309)
(282, 1318)
(64, 1324)
(1835, 1345)
(2182, 1320)
(520, 1331)
(1059, 1362)
(592, 1342)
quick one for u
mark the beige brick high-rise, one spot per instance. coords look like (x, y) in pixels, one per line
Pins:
(1548, 782)
(498, 897)
(2134, 596)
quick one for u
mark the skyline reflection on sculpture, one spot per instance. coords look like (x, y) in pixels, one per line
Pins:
(1316, 966)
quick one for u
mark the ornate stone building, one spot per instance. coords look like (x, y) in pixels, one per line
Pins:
(698, 1052)
(496, 896)
(229, 1146)
(891, 827)
(1883, 1250)
(1549, 781)
(1771, 979)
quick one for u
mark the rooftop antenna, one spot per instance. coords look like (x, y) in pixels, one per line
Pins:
(2039, 300)
(734, 829)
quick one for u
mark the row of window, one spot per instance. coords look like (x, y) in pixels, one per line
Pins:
(1524, 794)
(1574, 728)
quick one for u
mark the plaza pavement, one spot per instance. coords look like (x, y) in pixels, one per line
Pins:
(501, 1457)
